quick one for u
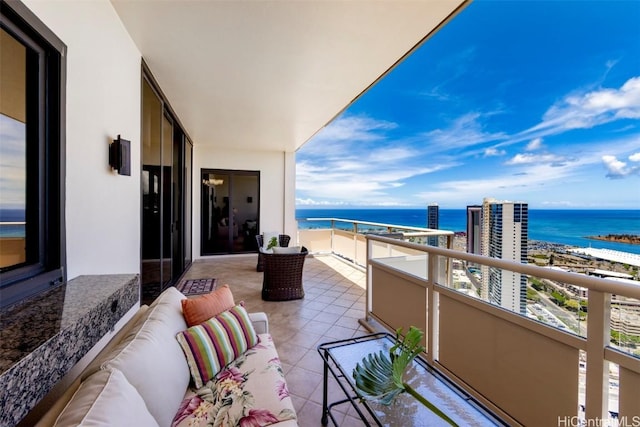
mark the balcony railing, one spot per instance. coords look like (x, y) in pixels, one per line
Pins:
(347, 238)
(549, 367)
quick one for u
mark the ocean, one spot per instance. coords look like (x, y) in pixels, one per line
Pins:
(567, 227)
(11, 215)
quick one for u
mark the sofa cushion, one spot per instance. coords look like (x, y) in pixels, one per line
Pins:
(152, 360)
(199, 310)
(250, 391)
(209, 347)
(106, 399)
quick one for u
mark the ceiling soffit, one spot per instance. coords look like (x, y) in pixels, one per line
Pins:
(268, 75)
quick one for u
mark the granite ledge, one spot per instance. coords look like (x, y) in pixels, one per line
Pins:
(76, 316)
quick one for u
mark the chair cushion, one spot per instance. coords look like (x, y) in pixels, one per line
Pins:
(151, 349)
(289, 250)
(250, 391)
(211, 346)
(106, 399)
(200, 309)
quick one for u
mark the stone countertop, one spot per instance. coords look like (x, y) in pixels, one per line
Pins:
(43, 337)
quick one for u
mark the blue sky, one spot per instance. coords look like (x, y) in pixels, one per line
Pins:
(534, 101)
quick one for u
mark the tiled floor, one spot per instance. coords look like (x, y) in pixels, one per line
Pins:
(333, 303)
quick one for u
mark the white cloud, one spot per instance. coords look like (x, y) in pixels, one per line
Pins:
(584, 111)
(465, 131)
(332, 170)
(534, 144)
(493, 151)
(312, 202)
(365, 181)
(619, 169)
(522, 159)
(559, 203)
(507, 186)
(355, 128)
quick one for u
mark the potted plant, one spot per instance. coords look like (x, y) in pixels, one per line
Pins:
(272, 242)
(379, 377)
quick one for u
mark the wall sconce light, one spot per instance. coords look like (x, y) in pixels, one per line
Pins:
(120, 156)
(249, 199)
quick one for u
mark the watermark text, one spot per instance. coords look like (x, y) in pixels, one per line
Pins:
(575, 421)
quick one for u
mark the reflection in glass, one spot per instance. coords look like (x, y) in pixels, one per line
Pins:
(13, 153)
(12, 192)
(152, 185)
(187, 205)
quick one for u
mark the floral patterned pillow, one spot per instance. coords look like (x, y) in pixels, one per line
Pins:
(251, 391)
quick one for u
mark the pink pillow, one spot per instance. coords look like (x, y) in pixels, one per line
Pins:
(199, 310)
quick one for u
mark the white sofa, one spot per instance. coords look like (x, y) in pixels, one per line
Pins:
(142, 378)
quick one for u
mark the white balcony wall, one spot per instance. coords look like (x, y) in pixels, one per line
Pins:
(277, 185)
(103, 100)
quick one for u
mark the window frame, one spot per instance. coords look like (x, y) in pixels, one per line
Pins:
(45, 265)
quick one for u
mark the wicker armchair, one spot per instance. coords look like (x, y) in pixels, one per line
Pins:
(283, 276)
(283, 240)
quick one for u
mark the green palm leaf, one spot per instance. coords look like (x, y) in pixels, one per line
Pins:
(379, 376)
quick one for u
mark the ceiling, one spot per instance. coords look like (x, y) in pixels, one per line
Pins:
(268, 75)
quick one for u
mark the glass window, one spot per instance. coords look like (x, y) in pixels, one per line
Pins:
(31, 159)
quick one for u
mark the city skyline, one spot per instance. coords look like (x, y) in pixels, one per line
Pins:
(542, 107)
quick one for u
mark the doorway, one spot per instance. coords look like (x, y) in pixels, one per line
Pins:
(230, 211)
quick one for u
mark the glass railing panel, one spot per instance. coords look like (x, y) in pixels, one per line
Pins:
(625, 324)
(560, 305)
(304, 223)
(399, 258)
(612, 403)
(458, 275)
(582, 383)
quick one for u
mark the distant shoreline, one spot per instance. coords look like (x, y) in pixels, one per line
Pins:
(630, 239)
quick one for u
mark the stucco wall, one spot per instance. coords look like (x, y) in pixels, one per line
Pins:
(103, 100)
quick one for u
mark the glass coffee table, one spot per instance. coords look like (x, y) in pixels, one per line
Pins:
(341, 357)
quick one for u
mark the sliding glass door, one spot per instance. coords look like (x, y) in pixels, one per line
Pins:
(230, 211)
(166, 195)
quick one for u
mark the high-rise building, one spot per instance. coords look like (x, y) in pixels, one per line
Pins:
(433, 217)
(505, 236)
(474, 229)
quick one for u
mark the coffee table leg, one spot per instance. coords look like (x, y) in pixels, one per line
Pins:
(324, 390)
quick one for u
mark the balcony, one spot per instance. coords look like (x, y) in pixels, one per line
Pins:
(275, 85)
(531, 369)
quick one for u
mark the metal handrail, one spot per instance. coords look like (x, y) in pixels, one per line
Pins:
(590, 282)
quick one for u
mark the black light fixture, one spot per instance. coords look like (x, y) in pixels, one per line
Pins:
(120, 156)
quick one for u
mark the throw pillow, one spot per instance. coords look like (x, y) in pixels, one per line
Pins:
(211, 346)
(200, 309)
(106, 398)
(289, 250)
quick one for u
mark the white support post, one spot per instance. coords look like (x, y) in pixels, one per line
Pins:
(369, 290)
(597, 376)
(432, 310)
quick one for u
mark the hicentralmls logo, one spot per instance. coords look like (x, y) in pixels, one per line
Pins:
(576, 421)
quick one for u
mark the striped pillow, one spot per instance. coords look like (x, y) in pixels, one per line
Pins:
(212, 345)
